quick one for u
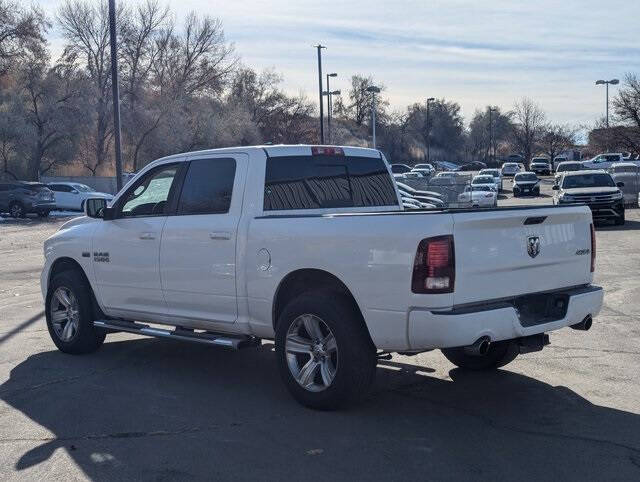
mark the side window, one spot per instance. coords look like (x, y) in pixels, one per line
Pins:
(149, 196)
(207, 187)
(312, 182)
(60, 188)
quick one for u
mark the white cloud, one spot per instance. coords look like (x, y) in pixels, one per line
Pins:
(476, 53)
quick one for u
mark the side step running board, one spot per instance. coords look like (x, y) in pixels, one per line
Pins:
(234, 342)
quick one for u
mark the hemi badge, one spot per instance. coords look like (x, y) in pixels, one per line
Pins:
(86, 254)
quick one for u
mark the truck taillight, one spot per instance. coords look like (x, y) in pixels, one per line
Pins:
(593, 248)
(434, 268)
(327, 151)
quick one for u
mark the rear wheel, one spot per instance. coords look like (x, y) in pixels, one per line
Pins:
(16, 209)
(500, 353)
(325, 356)
(69, 314)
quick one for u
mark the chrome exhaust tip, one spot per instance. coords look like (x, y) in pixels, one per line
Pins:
(479, 348)
(584, 325)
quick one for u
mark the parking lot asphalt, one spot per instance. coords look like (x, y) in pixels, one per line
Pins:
(156, 410)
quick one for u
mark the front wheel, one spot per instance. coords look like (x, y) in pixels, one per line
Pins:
(16, 209)
(325, 356)
(500, 353)
(620, 220)
(69, 314)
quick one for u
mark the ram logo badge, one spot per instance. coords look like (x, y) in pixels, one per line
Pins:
(533, 246)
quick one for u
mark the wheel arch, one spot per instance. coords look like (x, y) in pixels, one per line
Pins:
(65, 263)
(306, 280)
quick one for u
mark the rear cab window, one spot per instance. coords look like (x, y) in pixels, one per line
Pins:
(304, 182)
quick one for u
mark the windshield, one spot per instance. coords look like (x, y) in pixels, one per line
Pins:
(526, 177)
(588, 180)
(82, 187)
(509, 165)
(423, 166)
(611, 157)
(539, 161)
(574, 166)
(482, 180)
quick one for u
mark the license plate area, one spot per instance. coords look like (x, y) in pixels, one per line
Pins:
(541, 308)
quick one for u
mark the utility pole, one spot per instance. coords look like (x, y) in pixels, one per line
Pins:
(491, 149)
(115, 91)
(320, 47)
(329, 94)
(429, 100)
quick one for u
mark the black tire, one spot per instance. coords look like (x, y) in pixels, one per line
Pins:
(356, 363)
(82, 206)
(43, 214)
(500, 354)
(16, 209)
(620, 220)
(87, 338)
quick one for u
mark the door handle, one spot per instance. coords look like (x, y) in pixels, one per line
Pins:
(147, 236)
(220, 235)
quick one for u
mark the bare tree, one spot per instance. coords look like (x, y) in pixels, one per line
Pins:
(627, 109)
(557, 138)
(21, 30)
(86, 28)
(528, 126)
(359, 107)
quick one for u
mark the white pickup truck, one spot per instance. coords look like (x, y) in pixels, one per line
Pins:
(309, 246)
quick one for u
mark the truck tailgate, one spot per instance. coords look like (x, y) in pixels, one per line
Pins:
(509, 252)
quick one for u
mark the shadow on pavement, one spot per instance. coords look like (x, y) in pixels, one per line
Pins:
(609, 226)
(153, 409)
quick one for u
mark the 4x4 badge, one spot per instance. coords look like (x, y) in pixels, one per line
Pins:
(533, 246)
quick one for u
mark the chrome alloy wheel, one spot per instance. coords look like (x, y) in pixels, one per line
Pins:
(65, 314)
(312, 353)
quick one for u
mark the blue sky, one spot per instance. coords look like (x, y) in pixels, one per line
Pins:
(474, 52)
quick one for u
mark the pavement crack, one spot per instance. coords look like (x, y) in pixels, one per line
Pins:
(103, 436)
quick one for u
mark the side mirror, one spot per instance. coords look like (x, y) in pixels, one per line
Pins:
(555, 187)
(73, 191)
(97, 208)
(620, 184)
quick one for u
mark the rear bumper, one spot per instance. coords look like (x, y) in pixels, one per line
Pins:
(499, 321)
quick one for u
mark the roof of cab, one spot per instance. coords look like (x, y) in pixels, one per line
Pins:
(278, 150)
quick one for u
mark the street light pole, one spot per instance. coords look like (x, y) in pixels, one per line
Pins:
(115, 92)
(491, 148)
(329, 93)
(606, 84)
(373, 90)
(320, 47)
(429, 100)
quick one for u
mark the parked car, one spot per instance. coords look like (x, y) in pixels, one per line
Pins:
(629, 174)
(567, 166)
(20, 198)
(473, 166)
(479, 196)
(431, 197)
(596, 189)
(400, 168)
(413, 175)
(310, 246)
(497, 177)
(484, 180)
(510, 169)
(526, 183)
(541, 166)
(603, 161)
(425, 169)
(72, 195)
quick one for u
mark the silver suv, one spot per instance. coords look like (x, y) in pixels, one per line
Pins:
(19, 198)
